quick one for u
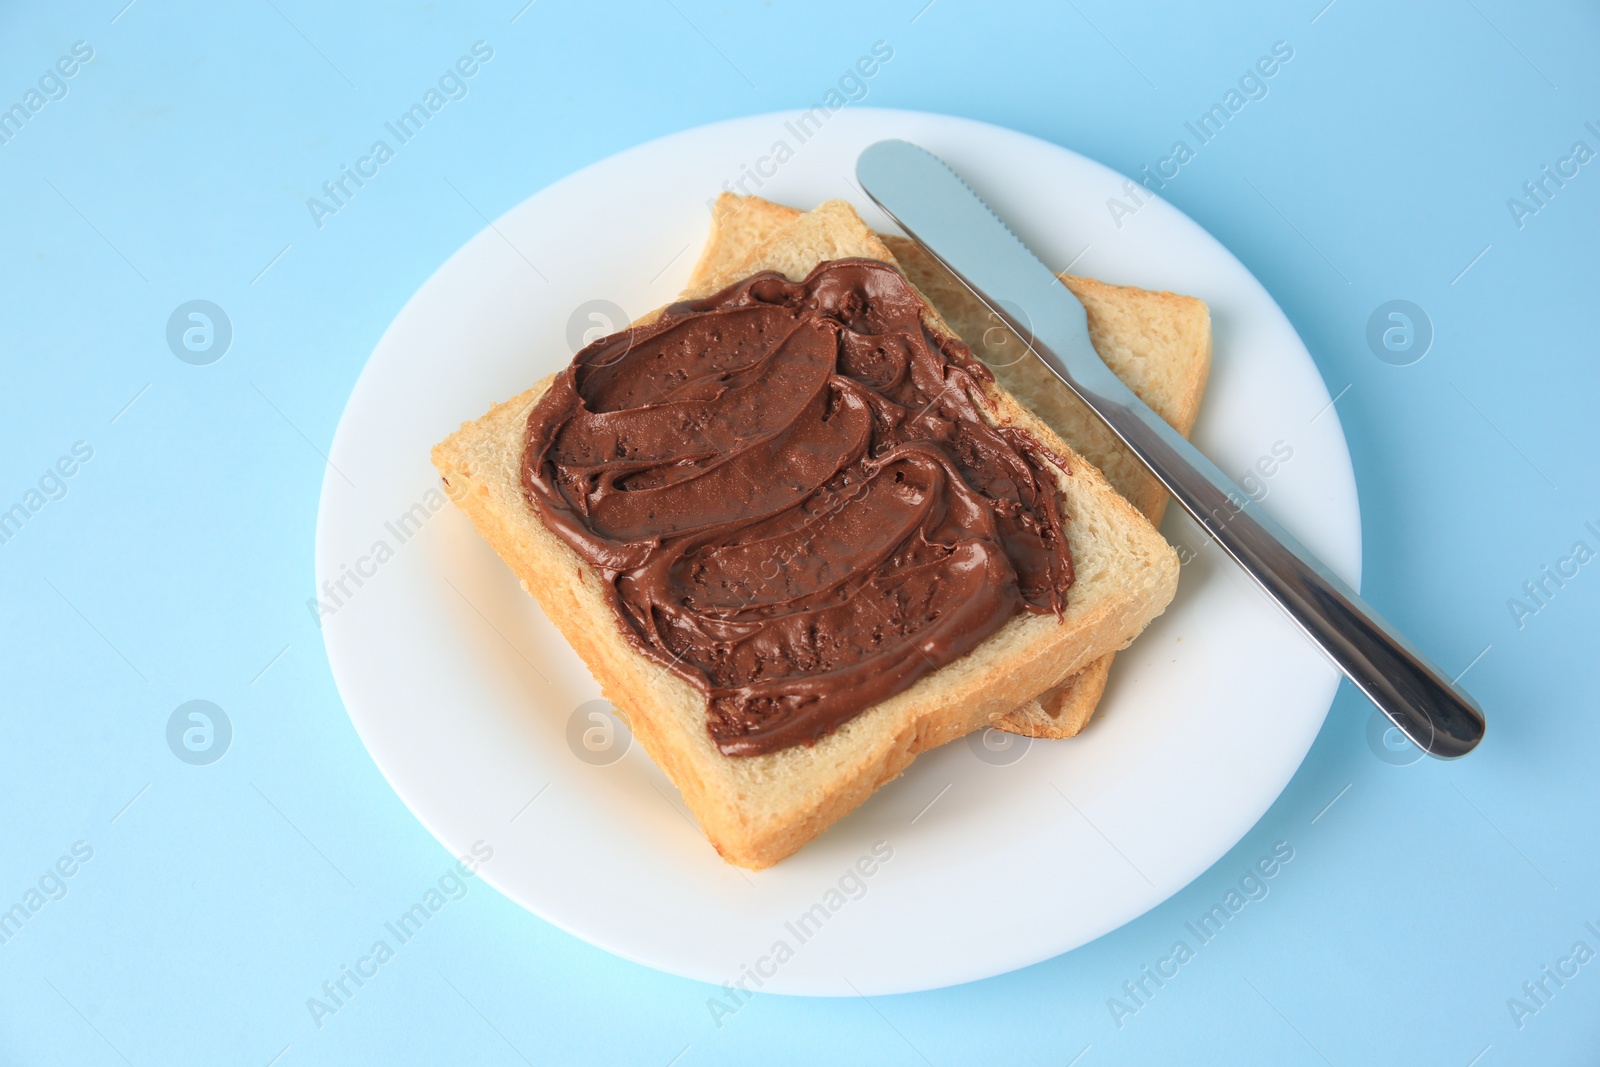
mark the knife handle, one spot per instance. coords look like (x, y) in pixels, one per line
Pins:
(1427, 706)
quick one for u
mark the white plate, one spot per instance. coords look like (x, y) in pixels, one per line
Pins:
(466, 696)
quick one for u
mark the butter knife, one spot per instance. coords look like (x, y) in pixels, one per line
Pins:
(937, 210)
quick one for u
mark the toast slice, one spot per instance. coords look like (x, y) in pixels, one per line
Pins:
(758, 809)
(1158, 343)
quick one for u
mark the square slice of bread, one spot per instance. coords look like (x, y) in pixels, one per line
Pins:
(1158, 343)
(758, 809)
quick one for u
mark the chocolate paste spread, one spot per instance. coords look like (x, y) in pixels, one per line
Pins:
(793, 498)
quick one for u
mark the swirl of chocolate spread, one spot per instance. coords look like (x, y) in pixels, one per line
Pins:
(794, 499)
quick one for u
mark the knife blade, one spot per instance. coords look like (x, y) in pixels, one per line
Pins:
(937, 209)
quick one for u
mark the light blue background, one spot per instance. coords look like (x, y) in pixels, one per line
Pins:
(178, 564)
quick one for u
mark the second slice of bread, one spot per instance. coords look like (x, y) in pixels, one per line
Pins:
(757, 809)
(1158, 343)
